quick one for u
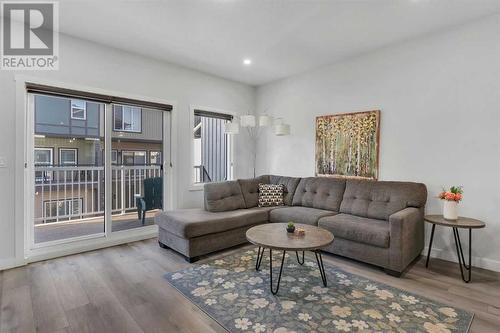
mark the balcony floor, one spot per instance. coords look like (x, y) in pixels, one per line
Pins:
(77, 228)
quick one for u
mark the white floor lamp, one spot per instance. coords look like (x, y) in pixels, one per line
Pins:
(253, 129)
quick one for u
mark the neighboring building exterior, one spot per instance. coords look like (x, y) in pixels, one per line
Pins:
(69, 156)
(60, 121)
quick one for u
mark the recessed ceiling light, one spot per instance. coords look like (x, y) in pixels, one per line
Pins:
(247, 62)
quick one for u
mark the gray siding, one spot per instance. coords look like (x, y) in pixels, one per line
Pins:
(214, 150)
(152, 127)
(53, 118)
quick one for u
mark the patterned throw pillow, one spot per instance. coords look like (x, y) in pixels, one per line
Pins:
(270, 195)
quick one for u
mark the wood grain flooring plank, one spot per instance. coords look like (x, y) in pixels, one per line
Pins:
(87, 319)
(104, 306)
(68, 287)
(16, 277)
(17, 310)
(48, 312)
(132, 287)
(167, 258)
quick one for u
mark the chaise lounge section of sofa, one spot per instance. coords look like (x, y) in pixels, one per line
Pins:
(377, 222)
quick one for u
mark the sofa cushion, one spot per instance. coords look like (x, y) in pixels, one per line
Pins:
(189, 223)
(358, 229)
(223, 196)
(290, 186)
(297, 214)
(320, 192)
(380, 199)
(270, 195)
(250, 189)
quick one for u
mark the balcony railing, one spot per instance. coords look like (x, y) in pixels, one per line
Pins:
(65, 193)
(201, 174)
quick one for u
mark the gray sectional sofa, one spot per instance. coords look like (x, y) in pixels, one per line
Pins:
(378, 222)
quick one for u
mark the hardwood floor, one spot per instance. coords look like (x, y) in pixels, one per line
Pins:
(121, 289)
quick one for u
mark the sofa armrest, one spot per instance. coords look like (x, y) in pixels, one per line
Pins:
(406, 237)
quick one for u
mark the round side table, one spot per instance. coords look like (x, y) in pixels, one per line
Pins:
(461, 223)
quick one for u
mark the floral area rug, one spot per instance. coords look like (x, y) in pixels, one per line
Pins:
(235, 295)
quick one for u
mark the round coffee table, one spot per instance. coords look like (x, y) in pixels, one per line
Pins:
(274, 236)
(460, 223)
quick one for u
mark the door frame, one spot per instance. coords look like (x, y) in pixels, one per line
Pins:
(25, 251)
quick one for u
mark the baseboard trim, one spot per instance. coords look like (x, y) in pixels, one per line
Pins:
(486, 263)
(11, 263)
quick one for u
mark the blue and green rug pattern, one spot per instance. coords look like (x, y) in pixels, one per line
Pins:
(235, 295)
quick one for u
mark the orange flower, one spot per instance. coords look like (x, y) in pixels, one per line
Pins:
(453, 194)
(449, 196)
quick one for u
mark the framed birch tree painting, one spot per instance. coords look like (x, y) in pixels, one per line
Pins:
(347, 145)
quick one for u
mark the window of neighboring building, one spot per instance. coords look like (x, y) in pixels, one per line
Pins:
(155, 157)
(211, 147)
(130, 157)
(68, 156)
(62, 209)
(43, 156)
(127, 118)
(78, 109)
(114, 156)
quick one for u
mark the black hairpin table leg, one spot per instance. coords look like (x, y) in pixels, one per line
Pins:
(459, 223)
(298, 260)
(321, 267)
(430, 246)
(259, 258)
(271, 271)
(460, 254)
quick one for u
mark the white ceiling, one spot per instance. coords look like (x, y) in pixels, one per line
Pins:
(281, 37)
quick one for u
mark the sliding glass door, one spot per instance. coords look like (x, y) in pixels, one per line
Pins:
(97, 167)
(137, 167)
(68, 167)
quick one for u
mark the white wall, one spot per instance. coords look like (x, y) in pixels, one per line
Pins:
(440, 120)
(93, 65)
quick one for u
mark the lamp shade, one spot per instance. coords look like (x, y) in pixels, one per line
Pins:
(265, 120)
(247, 121)
(231, 128)
(282, 129)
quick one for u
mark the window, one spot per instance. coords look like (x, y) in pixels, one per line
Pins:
(78, 109)
(62, 209)
(155, 157)
(134, 157)
(127, 118)
(211, 147)
(114, 156)
(43, 156)
(68, 156)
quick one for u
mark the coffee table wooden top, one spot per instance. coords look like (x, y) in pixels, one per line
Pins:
(275, 236)
(462, 222)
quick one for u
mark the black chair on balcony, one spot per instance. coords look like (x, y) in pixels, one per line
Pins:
(152, 199)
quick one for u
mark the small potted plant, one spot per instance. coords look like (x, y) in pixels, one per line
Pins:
(451, 199)
(290, 227)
